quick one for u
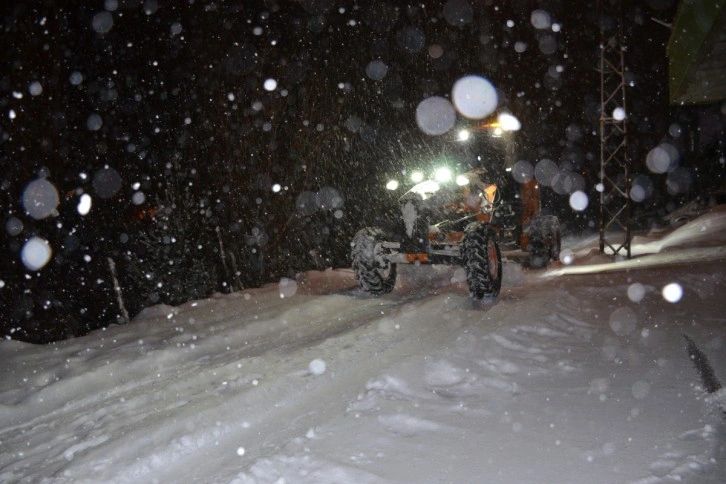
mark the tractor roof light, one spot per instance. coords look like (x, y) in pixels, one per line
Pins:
(509, 122)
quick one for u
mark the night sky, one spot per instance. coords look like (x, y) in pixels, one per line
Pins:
(227, 144)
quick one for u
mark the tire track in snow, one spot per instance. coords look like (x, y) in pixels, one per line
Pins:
(301, 402)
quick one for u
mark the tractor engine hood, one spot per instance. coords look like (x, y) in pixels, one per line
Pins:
(421, 191)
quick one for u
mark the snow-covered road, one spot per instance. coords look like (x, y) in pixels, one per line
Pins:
(562, 379)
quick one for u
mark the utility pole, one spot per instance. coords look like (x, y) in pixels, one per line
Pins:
(615, 177)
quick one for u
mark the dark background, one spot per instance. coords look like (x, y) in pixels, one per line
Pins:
(241, 185)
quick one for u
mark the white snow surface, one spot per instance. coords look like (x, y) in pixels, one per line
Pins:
(562, 379)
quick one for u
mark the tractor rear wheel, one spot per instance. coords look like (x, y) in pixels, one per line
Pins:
(545, 241)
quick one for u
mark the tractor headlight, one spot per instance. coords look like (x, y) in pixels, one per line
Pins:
(442, 175)
(392, 185)
(417, 176)
(462, 180)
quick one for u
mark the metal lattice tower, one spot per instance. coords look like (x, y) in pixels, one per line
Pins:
(615, 178)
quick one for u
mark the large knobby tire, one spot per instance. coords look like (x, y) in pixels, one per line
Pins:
(482, 261)
(375, 273)
(545, 241)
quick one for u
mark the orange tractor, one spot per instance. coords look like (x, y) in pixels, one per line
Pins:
(464, 221)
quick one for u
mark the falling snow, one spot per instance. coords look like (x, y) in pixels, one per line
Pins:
(435, 115)
(36, 253)
(376, 70)
(474, 97)
(197, 162)
(40, 198)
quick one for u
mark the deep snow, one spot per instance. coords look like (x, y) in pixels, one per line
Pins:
(577, 374)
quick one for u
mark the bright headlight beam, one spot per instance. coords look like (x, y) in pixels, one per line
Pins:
(464, 135)
(392, 184)
(442, 174)
(417, 176)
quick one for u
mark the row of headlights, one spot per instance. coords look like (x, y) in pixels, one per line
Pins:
(505, 123)
(440, 175)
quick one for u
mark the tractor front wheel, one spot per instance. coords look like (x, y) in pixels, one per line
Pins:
(375, 273)
(482, 261)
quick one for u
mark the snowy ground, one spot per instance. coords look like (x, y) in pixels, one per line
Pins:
(567, 378)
